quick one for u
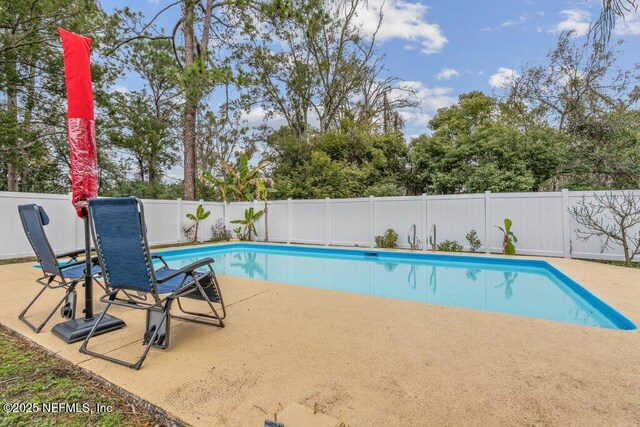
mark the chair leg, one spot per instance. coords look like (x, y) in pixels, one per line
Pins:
(219, 323)
(138, 363)
(38, 328)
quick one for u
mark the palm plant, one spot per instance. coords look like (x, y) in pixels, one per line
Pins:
(508, 247)
(250, 217)
(200, 215)
(244, 177)
(223, 185)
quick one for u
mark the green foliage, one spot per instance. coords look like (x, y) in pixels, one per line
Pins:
(351, 161)
(197, 217)
(388, 240)
(508, 240)
(570, 122)
(450, 246)
(474, 241)
(473, 149)
(249, 220)
(32, 119)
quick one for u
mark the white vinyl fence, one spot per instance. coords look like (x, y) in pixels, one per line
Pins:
(540, 221)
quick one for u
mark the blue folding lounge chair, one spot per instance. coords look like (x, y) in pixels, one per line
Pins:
(54, 275)
(120, 237)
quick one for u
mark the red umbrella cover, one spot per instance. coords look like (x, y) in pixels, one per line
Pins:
(80, 119)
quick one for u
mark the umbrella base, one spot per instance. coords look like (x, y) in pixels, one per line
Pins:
(75, 330)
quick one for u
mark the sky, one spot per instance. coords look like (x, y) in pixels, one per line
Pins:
(445, 48)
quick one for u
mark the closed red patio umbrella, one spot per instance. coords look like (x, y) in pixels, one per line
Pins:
(84, 168)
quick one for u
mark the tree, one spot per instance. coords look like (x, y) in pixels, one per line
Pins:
(149, 134)
(203, 49)
(333, 71)
(612, 217)
(32, 122)
(587, 98)
(473, 149)
(197, 217)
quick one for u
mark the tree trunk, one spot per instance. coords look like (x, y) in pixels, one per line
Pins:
(13, 177)
(190, 108)
(13, 172)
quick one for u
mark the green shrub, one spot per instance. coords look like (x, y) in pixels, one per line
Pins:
(474, 241)
(450, 246)
(388, 240)
(219, 232)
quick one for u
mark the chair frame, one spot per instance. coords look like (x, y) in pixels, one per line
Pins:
(53, 280)
(190, 284)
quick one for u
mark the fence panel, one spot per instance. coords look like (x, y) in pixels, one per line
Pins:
(455, 216)
(537, 222)
(350, 222)
(308, 221)
(540, 221)
(161, 217)
(277, 222)
(399, 214)
(65, 229)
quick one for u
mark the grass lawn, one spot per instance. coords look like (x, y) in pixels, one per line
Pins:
(616, 263)
(31, 376)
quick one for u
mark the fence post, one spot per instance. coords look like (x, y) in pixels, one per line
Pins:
(566, 224)
(487, 222)
(224, 213)
(425, 225)
(289, 221)
(201, 231)
(327, 221)
(372, 231)
(74, 224)
(179, 206)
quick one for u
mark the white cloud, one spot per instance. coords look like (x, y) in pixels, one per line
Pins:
(402, 20)
(258, 116)
(447, 73)
(503, 78)
(629, 26)
(429, 100)
(509, 23)
(576, 20)
(120, 89)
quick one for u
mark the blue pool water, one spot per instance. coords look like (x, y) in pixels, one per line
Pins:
(520, 287)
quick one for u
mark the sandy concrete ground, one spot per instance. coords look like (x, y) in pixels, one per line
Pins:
(373, 361)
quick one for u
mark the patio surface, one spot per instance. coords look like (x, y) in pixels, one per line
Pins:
(371, 361)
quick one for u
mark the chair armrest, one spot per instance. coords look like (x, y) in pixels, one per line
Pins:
(187, 269)
(72, 264)
(70, 254)
(156, 256)
(75, 262)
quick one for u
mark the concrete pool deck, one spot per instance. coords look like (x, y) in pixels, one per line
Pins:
(370, 361)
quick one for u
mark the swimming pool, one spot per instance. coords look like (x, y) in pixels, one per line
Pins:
(524, 287)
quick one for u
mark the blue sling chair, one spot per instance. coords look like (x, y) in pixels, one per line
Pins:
(120, 238)
(54, 274)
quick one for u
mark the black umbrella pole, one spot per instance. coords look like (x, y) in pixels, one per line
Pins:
(74, 330)
(88, 280)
